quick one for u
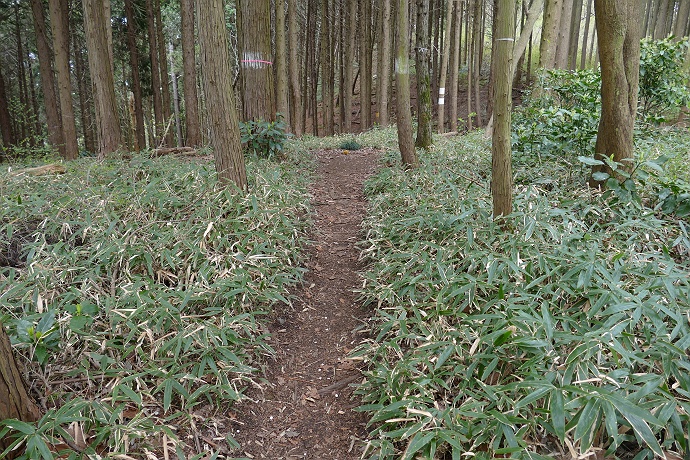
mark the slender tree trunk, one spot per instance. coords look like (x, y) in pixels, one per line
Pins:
(102, 77)
(132, 32)
(423, 63)
(326, 64)
(163, 67)
(575, 34)
(588, 16)
(282, 99)
(501, 171)
(445, 57)
(296, 101)
(365, 77)
(478, 45)
(402, 76)
(350, 43)
(191, 99)
(660, 29)
(45, 58)
(217, 79)
(256, 66)
(682, 21)
(454, 69)
(8, 138)
(176, 96)
(21, 74)
(619, 32)
(14, 401)
(549, 34)
(156, 92)
(84, 83)
(564, 35)
(383, 93)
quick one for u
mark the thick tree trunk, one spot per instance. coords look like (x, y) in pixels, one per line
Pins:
(682, 20)
(383, 93)
(402, 76)
(84, 85)
(217, 79)
(102, 77)
(549, 34)
(619, 32)
(660, 25)
(423, 63)
(501, 171)
(45, 58)
(256, 65)
(191, 99)
(296, 102)
(132, 32)
(445, 57)
(282, 99)
(14, 400)
(350, 43)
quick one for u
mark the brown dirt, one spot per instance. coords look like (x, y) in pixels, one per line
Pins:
(305, 410)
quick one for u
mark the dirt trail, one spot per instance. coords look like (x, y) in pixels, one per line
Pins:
(306, 411)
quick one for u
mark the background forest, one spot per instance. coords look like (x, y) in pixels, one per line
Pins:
(137, 281)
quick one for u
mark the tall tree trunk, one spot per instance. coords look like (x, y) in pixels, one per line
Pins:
(588, 16)
(501, 171)
(104, 86)
(325, 64)
(8, 138)
(350, 43)
(296, 102)
(402, 77)
(682, 20)
(365, 77)
(21, 74)
(619, 32)
(575, 34)
(84, 85)
(163, 62)
(132, 32)
(156, 92)
(14, 400)
(59, 18)
(175, 95)
(454, 69)
(191, 99)
(492, 68)
(256, 66)
(423, 63)
(549, 34)
(478, 46)
(282, 99)
(217, 79)
(564, 35)
(660, 29)
(383, 93)
(45, 58)
(445, 57)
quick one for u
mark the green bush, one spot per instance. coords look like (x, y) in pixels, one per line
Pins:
(663, 78)
(263, 138)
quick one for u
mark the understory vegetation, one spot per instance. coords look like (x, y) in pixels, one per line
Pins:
(135, 290)
(566, 334)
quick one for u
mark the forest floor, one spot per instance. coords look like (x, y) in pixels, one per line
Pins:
(305, 409)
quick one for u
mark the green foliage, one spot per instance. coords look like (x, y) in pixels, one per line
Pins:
(569, 330)
(264, 139)
(148, 282)
(350, 144)
(663, 78)
(563, 119)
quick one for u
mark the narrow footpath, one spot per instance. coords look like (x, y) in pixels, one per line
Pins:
(305, 411)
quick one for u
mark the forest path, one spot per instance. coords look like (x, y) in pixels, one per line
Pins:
(306, 409)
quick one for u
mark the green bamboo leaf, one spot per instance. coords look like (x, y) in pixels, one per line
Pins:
(418, 442)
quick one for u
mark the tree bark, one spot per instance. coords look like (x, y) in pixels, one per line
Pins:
(8, 138)
(423, 63)
(588, 18)
(575, 34)
(365, 65)
(282, 99)
(455, 65)
(501, 171)
(660, 26)
(564, 35)
(350, 43)
(326, 64)
(383, 93)
(132, 32)
(256, 65)
(14, 400)
(549, 34)
(402, 75)
(83, 86)
(163, 66)
(296, 102)
(108, 122)
(191, 99)
(156, 92)
(619, 32)
(217, 79)
(445, 57)
(175, 96)
(682, 20)
(45, 58)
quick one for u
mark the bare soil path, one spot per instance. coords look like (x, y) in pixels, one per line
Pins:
(306, 409)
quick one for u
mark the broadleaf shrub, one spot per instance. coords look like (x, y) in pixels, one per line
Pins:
(266, 139)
